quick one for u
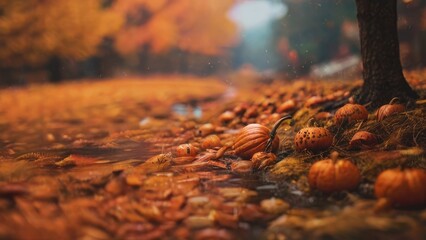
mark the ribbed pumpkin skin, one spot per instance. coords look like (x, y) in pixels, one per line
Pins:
(252, 139)
(389, 109)
(404, 188)
(351, 112)
(313, 139)
(328, 176)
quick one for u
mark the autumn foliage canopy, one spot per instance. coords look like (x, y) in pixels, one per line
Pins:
(32, 31)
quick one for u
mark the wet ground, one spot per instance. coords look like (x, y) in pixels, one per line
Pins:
(101, 161)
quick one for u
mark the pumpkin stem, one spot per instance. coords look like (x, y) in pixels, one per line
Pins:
(334, 155)
(268, 147)
(404, 164)
(367, 104)
(394, 100)
(311, 122)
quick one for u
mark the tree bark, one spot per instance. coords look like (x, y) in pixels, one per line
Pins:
(382, 71)
(54, 68)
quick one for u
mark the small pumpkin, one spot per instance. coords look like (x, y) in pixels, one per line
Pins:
(252, 139)
(332, 175)
(186, 150)
(389, 109)
(363, 140)
(351, 112)
(262, 160)
(227, 117)
(211, 141)
(205, 129)
(403, 188)
(313, 139)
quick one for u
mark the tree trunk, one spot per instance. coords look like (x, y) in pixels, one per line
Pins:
(382, 71)
(54, 67)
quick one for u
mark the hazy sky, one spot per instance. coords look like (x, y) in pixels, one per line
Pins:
(256, 13)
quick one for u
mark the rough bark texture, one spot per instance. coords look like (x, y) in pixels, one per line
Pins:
(54, 67)
(383, 77)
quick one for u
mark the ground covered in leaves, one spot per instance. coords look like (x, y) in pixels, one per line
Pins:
(103, 160)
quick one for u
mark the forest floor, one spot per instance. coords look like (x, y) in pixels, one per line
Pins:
(101, 160)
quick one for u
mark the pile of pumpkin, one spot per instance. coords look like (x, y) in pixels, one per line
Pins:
(256, 145)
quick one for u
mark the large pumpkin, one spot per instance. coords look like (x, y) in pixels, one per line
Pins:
(404, 188)
(252, 139)
(332, 176)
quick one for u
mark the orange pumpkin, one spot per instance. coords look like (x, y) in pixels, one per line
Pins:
(211, 141)
(205, 129)
(227, 117)
(186, 150)
(363, 140)
(351, 112)
(252, 139)
(404, 188)
(389, 109)
(332, 175)
(313, 139)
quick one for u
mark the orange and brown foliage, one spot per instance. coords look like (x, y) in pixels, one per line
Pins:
(190, 25)
(31, 31)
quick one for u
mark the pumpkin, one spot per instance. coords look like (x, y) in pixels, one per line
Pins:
(313, 139)
(211, 141)
(205, 129)
(351, 112)
(332, 175)
(227, 117)
(252, 139)
(363, 140)
(186, 150)
(389, 109)
(404, 188)
(261, 160)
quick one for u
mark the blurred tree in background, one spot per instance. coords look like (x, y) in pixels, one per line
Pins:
(316, 31)
(312, 32)
(98, 37)
(193, 26)
(174, 31)
(37, 33)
